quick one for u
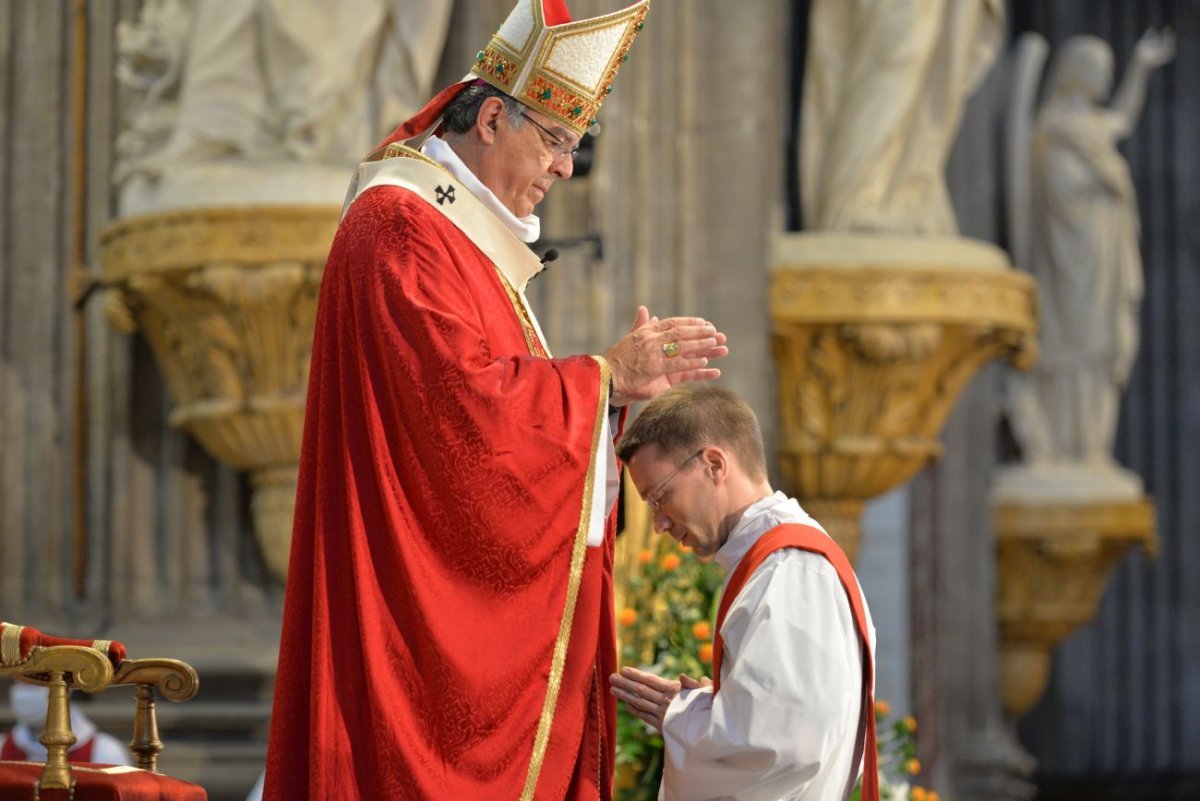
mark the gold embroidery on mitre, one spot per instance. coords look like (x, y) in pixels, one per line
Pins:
(540, 72)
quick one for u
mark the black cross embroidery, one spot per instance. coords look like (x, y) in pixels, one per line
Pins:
(444, 195)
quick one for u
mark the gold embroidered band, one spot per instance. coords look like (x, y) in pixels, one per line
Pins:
(578, 552)
(10, 644)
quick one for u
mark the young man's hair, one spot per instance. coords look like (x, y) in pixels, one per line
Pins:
(460, 115)
(691, 416)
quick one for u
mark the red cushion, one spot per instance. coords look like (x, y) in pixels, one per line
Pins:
(18, 782)
(28, 637)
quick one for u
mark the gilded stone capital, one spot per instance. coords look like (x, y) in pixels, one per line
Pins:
(227, 300)
(875, 338)
(1053, 562)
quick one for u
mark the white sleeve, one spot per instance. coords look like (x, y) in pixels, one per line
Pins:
(787, 714)
(605, 484)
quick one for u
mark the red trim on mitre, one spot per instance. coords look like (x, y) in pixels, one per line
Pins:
(555, 12)
(427, 116)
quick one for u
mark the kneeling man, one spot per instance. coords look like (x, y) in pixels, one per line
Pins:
(789, 713)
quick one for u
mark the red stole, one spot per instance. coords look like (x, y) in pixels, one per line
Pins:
(807, 538)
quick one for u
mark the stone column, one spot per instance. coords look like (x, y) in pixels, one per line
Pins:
(688, 178)
(968, 750)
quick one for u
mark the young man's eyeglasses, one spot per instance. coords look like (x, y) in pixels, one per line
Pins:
(556, 145)
(654, 498)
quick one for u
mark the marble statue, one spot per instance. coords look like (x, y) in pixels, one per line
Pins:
(234, 88)
(1073, 222)
(884, 88)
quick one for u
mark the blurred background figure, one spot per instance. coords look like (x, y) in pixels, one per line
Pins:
(29, 708)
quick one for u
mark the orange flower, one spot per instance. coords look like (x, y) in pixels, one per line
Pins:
(882, 709)
(932, 796)
(705, 653)
(918, 794)
(627, 616)
(910, 723)
(913, 766)
(645, 557)
(669, 562)
(702, 631)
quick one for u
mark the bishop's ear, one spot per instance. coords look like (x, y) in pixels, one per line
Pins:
(486, 123)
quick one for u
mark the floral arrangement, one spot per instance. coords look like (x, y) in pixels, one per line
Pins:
(898, 761)
(663, 626)
(666, 602)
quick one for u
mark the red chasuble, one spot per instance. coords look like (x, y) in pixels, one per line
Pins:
(447, 630)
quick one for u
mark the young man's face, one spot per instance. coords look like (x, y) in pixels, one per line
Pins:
(527, 160)
(684, 502)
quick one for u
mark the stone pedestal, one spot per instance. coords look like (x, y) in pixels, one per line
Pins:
(227, 299)
(1053, 560)
(875, 337)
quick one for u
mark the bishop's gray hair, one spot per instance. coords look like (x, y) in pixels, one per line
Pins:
(463, 110)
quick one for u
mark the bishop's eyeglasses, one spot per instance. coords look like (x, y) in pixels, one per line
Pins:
(554, 143)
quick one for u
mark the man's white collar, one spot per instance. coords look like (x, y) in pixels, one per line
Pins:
(760, 517)
(527, 229)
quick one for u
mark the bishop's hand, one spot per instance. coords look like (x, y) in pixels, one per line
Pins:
(657, 354)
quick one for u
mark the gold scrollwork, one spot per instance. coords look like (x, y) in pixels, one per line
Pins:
(871, 361)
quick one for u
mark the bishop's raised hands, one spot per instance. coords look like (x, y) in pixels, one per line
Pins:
(657, 354)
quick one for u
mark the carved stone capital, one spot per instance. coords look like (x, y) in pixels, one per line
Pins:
(182, 240)
(875, 339)
(227, 300)
(1053, 561)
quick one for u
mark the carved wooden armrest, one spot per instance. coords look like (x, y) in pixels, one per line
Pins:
(175, 680)
(60, 667)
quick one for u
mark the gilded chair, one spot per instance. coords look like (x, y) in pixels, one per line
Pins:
(92, 666)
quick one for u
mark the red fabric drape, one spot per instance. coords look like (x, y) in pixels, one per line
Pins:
(432, 110)
(555, 12)
(441, 486)
(18, 782)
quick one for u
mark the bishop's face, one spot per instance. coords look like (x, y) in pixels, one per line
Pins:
(527, 158)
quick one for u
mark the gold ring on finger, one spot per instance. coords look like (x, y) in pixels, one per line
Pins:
(670, 349)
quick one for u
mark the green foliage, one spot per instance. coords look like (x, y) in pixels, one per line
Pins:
(665, 627)
(898, 763)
